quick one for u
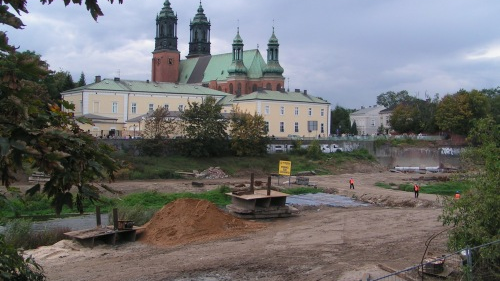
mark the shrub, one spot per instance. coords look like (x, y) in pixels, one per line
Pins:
(14, 267)
(17, 233)
(138, 214)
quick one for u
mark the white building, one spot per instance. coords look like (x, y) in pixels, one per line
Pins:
(368, 119)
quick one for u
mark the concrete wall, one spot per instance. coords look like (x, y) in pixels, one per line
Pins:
(443, 156)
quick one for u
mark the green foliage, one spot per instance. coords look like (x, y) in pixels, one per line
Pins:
(314, 150)
(439, 188)
(340, 120)
(354, 128)
(302, 190)
(457, 113)
(205, 130)
(34, 129)
(415, 116)
(248, 134)
(17, 231)
(156, 200)
(476, 215)
(159, 124)
(40, 205)
(391, 99)
(14, 267)
(138, 214)
(156, 147)
(81, 82)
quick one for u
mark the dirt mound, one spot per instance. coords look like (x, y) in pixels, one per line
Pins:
(191, 220)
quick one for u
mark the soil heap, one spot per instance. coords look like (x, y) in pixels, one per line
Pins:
(191, 220)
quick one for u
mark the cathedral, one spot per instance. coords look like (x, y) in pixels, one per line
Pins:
(239, 73)
(241, 79)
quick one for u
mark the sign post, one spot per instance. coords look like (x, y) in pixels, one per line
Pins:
(285, 168)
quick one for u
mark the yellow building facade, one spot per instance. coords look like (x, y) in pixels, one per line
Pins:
(118, 108)
(287, 114)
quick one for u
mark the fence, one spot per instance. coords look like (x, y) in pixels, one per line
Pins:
(458, 266)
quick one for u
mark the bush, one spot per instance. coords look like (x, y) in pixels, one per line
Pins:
(314, 150)
(138, 214)
(14, 267)
(17, 233)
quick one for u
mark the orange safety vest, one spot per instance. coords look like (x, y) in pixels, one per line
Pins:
(416, 187)
(351, 181)
(457, 195)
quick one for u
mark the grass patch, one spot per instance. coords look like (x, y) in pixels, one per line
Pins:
(384, 185)
(38, 205)
(141, 167)
(441, 188)
(19, 234)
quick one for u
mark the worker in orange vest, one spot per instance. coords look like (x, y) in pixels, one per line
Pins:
(416, 188)
(351, 183)
(457, 195)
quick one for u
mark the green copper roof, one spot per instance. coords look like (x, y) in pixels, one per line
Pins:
(200, 16)
(133, 86)
(273, 40)
(166, 11)
(237, 39)
(218, 66)
(273, 96)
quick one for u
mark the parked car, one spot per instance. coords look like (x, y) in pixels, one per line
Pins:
(331, 148)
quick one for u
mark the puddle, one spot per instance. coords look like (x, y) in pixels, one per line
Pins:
(318, 199)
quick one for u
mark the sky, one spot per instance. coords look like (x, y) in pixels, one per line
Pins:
(345, 51)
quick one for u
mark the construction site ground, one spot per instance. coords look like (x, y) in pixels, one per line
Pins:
(319, 243)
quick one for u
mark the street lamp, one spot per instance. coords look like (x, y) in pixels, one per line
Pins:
(134, 131)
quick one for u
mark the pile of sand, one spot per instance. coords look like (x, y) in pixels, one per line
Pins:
(191, 220)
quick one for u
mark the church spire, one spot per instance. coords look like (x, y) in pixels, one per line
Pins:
(273, 65)
(237, 66)
(199, 42)
(166, 29)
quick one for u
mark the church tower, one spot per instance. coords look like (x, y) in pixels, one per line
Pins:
(166, 57)
(237, 70)
(273, 72)
(199, 41)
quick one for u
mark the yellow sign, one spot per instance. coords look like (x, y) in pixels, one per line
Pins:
(285, 168)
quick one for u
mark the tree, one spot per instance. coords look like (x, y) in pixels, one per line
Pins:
(390, 99)
(404, 118)
(475, 217)
(81, 82)
(248, 134)
(14, 267)
(159, 124)
(58, 82)
(205, 129)
(34, 129)
(456, 113)
(354, 128)
(494, 101)
(340, 120)
(414, 116)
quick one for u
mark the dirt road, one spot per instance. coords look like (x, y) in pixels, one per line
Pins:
(321, 243)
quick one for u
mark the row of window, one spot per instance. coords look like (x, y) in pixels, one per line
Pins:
(312, 126)
(114, 107)
(267, 111)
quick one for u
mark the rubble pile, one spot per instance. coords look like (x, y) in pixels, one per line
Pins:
(212, 173)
